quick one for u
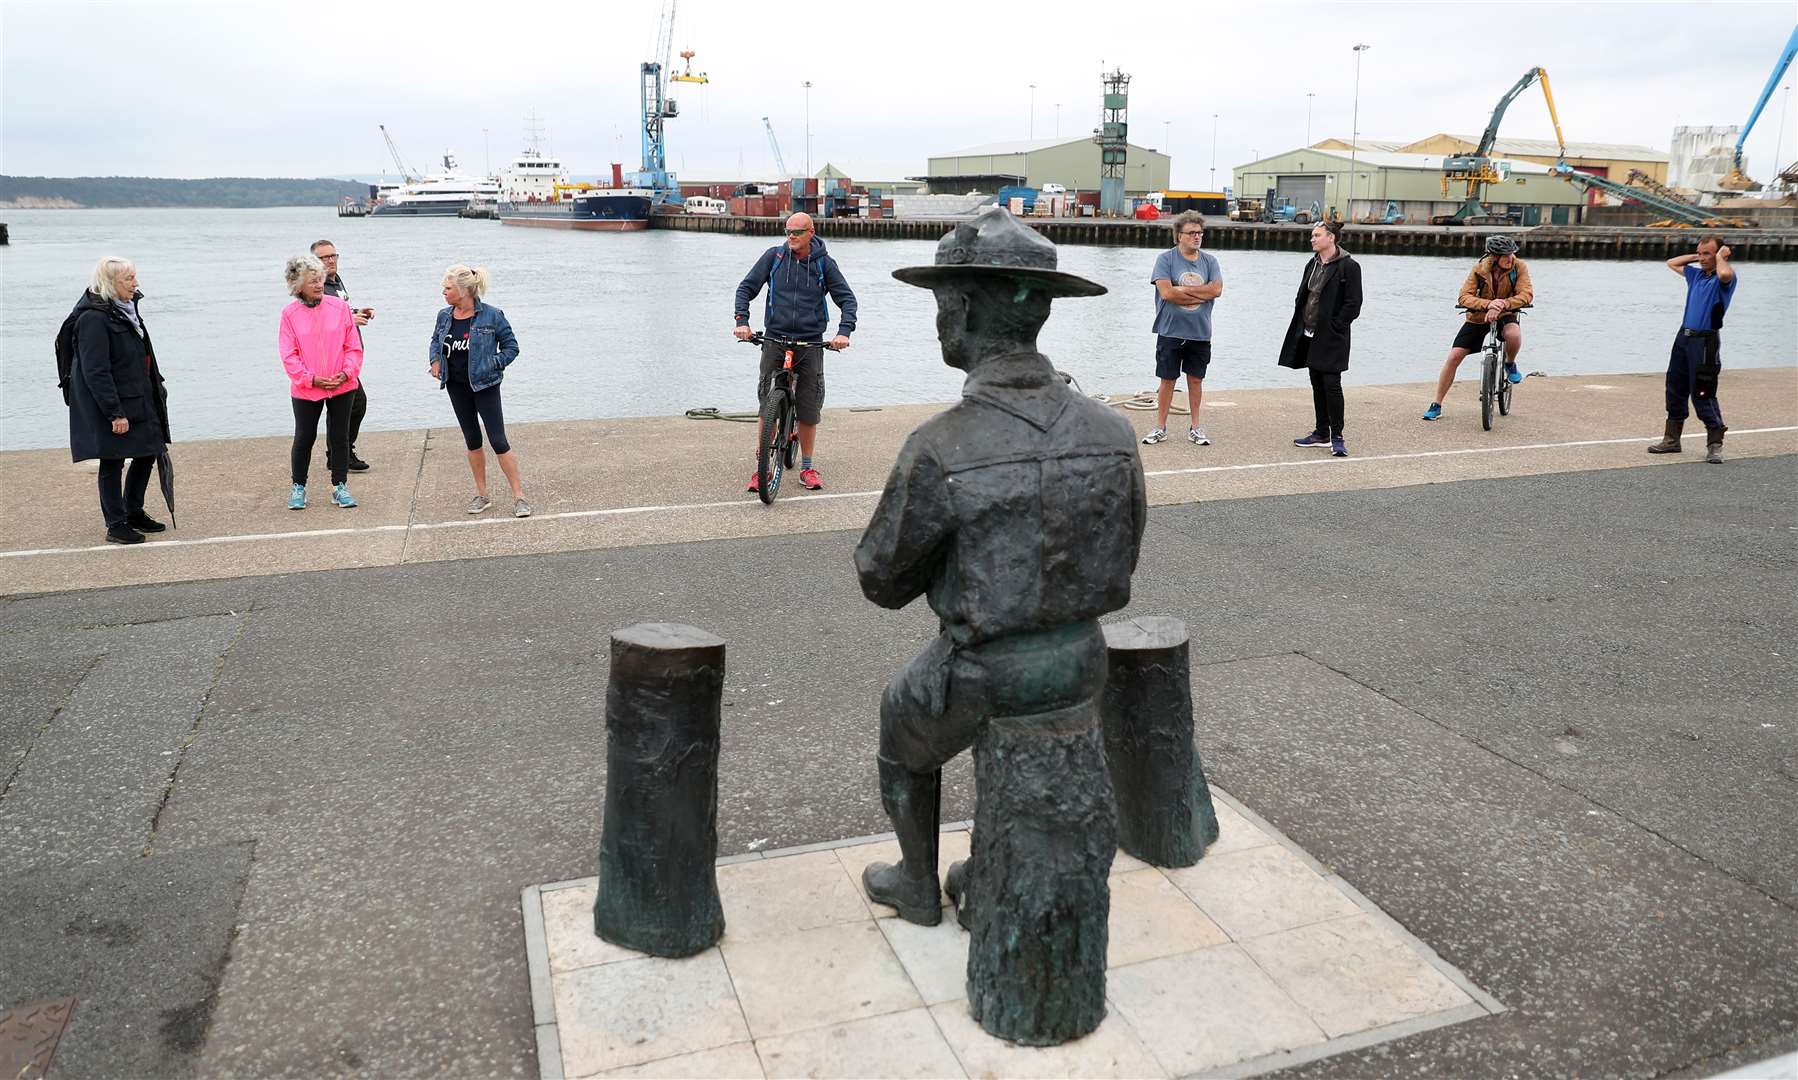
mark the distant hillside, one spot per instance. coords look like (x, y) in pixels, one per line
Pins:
(222, 191)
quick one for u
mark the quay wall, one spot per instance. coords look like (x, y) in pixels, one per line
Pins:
(1547, 241)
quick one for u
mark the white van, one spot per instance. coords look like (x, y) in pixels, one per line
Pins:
(704, 204)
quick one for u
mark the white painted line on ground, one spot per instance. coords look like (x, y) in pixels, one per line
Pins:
(747, 504)
(1326, 459)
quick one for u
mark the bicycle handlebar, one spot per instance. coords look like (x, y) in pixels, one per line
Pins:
(758, 338)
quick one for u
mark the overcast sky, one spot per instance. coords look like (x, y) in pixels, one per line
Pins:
(256, 88)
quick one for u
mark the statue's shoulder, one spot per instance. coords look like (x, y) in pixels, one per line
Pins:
(1105, 421)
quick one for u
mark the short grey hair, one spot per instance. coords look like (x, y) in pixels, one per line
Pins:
(104, 283)
(1188, 217)
(299, 268)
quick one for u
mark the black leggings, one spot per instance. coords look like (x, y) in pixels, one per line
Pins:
(1326, 400)
(337, 436)
(115, 505)
(475, 408)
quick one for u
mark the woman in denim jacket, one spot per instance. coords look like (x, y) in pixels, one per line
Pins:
(470, 349)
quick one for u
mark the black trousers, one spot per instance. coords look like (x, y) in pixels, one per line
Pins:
(358, 409)
(1692, 373)
(1326, 401)
(337, 436)
(116, 506)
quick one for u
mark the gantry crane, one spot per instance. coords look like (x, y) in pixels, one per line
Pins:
(1737, 180)
(658, 107)
(1477, 169)
(774, 145)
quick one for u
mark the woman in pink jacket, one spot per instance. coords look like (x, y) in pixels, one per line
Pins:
(322, 353)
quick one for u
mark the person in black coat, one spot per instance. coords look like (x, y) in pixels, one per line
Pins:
(117, 406)
(1329, 300)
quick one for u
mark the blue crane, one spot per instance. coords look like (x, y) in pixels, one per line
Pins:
(1737, 180)
(658, 107)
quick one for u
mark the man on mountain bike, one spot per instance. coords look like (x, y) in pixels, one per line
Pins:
(799, 275)
(1495, 288)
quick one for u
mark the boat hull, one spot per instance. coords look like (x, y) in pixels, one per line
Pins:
(614, 210)
(442, 209)
(570, 222)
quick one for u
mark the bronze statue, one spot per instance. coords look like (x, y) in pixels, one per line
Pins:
(1018, 514)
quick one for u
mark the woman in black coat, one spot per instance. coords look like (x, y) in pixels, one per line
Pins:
(117, 406)
(1329, 300)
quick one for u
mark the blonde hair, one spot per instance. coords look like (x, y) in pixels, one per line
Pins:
(299, 268)
(106, 271)
(473, 281)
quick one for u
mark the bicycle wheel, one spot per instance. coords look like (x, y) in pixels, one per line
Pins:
(1488, 390)
(771, 445)
(1504, 394)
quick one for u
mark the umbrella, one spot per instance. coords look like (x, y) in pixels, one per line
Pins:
(165, 478)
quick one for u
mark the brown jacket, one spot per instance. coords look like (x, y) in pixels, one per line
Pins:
(1485, 283)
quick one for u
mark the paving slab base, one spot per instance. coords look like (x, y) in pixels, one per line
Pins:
(1256, 959)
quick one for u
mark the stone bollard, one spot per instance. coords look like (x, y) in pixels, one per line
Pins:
(1165, 816)
(658, 890)
(1045, 832)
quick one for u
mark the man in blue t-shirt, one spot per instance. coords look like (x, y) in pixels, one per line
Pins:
(1186, 282)
(1698, 349)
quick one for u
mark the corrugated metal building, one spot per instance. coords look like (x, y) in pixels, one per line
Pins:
(1414, 181)
(1070, 162)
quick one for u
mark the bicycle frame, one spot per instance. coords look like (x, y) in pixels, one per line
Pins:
(1495, 388)
(777, 451)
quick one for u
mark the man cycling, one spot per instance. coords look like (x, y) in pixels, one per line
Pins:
(1495, 288)
(799, 275)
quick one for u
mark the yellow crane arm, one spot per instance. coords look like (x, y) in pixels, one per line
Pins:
(1560, 140)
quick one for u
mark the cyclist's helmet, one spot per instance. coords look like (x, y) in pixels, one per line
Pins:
(1500, 245)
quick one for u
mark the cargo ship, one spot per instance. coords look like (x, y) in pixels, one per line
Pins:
(583, 206)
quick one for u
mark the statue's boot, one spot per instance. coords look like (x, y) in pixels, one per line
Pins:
(955, 883)
(914, 802)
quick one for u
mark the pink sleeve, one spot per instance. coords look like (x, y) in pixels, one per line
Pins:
(290, 355)
(352, 346)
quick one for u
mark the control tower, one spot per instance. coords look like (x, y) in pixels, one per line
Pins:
(1112, 137)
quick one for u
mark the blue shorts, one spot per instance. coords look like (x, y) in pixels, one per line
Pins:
(1176, 355)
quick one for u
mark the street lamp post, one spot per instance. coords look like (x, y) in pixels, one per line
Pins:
(1310, 99)
(1213, 152)
(808, 127)
(1033, 111)
(1058, 119)
(1355, 130)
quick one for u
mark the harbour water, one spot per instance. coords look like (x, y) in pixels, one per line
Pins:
(638, 324)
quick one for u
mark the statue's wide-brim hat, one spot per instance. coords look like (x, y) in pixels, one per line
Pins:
(995, 244)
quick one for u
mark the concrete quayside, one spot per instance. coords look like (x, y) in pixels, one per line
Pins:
(600, 484)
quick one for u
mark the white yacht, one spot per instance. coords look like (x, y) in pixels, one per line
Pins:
(443, 194)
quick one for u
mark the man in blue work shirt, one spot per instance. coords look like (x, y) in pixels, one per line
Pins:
(1186, 282)
(1698, 350)
(799, 275)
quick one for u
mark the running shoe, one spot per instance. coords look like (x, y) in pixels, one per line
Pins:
(520, 508)
(1512, 373)
(755, 482)
(810, 480)
(1434, 412)
(1338, 448)
(1154, 436)
(341, 497)
(1196, 436)
(1313, 439)
(296, 499)
(357, 464)
(478, 504)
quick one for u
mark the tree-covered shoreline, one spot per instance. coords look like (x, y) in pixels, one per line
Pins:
(149, 191)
